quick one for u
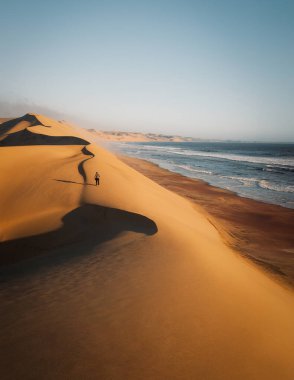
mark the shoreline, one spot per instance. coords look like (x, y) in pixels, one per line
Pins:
(261, 172)
(129, 279)
(259, 231)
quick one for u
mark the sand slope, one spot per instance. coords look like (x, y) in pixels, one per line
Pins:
(123, 136)
(260, 231)
(133, 281)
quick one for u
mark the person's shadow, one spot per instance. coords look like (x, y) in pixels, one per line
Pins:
(77, 183)
(81, 169)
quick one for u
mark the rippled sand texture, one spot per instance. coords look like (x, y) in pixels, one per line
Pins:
(122, 281)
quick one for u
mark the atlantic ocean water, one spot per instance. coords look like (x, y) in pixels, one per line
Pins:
(259, 171)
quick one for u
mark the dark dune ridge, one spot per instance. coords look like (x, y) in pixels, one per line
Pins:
(81, 168)
(90, 224)
(26, 137)
(6, 126)
(112, 294)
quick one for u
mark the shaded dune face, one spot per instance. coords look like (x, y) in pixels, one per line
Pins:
(31, 120)
(26, 137)
(16, 132)
(109, 295)
(81, 169)
(89, 224)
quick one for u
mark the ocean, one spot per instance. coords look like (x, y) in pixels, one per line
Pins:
(260, 171)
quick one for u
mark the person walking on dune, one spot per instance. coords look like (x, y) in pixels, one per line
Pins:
(97, 178)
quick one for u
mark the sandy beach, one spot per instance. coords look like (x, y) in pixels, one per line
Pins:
(260, 231)
(129, 279)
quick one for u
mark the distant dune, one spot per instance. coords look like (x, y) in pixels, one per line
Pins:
(137, 136)
(125, 280)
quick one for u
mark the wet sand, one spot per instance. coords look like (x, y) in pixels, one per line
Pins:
(260, 231)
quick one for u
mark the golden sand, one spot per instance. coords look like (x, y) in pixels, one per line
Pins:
(126, 280)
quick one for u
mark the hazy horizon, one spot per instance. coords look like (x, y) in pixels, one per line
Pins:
(213, 70)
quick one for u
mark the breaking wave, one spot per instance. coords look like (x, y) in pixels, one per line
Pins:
(276, 187)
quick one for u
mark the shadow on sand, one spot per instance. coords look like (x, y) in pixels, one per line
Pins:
(83, 229)
(77, 183)
(81, 169)
(28, 138)
(9, 124)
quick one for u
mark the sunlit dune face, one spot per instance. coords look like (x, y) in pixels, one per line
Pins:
(126, 279)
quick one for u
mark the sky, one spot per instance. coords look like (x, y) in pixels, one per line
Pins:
(207, 69)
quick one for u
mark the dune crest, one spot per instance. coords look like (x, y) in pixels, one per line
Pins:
(28, 137)
(31, 215)
(20, 123)
(133, 281)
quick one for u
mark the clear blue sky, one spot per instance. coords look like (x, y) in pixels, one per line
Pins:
(210, 69)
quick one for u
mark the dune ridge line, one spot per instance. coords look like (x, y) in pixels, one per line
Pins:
(126, 279)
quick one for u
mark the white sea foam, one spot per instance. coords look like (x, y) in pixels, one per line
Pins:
(191, 169)
(271, 182)
(286, 162)
(159, 147)
(276, 187)
(246, 181)
(278, 168)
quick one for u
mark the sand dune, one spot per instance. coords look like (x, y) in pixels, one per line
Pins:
(91, 224)
(27, 137)
(123, 136)
(126, 280)
(260, 231)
